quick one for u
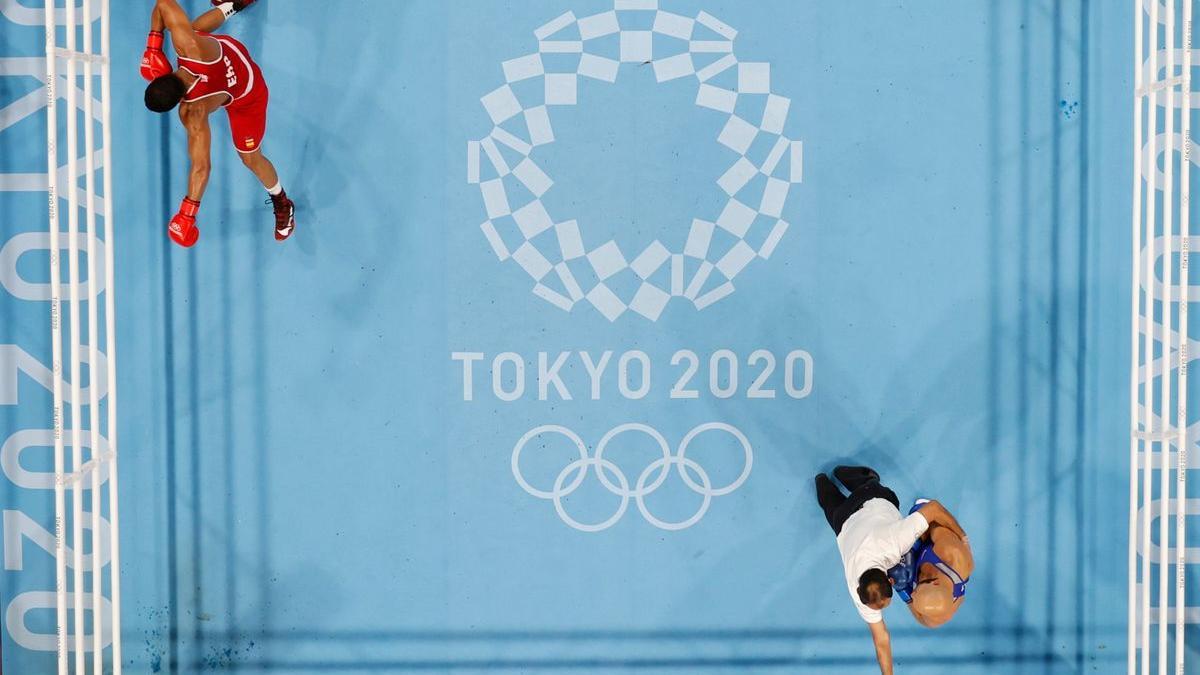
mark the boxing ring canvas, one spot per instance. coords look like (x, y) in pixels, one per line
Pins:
(582, 295)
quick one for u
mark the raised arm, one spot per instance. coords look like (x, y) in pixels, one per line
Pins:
(156, 21)
(169, 16)
(883, 646)
(936, 514)
(154, 62)
(195, 120)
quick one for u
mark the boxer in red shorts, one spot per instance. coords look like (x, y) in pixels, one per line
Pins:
(215, 71)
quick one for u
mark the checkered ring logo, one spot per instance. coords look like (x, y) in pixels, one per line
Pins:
(578, 269)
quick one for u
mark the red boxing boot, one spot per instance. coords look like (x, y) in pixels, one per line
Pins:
(285, 216)
(235, 6)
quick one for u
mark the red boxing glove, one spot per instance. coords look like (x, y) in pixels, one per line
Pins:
(183, 230)
(154, 62)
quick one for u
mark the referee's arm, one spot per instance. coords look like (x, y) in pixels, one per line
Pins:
(883, 646)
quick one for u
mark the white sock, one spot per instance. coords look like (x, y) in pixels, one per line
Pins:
(275, 190)
(227, 9)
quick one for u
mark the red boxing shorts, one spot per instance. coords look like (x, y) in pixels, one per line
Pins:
(248, 119)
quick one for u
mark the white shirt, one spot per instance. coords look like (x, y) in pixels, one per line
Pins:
(876, 537)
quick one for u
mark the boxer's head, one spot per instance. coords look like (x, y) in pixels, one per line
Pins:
(933, 599)
(875, 589)
(164, 93)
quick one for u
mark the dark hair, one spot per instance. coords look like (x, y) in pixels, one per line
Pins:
(164, 93)
(873, 586)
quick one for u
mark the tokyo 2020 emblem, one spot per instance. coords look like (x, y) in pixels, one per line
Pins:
(677, 47)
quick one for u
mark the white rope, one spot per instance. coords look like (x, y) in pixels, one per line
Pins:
(75, 347)
(1181, 416)
(1148, 346)
(110, 336)
(60, 562)
(1156, 305)
(72, 593)
(1138, 430)
(93, 346)
(1168, 217)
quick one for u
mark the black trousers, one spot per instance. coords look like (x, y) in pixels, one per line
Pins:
(863, 484)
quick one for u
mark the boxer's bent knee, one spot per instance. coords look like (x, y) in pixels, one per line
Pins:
(251, 159)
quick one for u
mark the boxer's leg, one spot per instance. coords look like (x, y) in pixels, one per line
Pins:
(854, 477)
(831, 499)
(209, 21)
(261, 167)
(248, 124)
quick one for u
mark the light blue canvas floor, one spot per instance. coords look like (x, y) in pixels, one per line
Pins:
(307, 488)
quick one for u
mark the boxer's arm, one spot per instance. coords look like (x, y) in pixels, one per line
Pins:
(176, 22)
(156, 20)
(936, 514)
(952, 548)
(154, 62)
(883, 646)
(195, 119)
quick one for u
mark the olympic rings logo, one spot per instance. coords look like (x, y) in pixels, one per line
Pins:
(651, 478)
